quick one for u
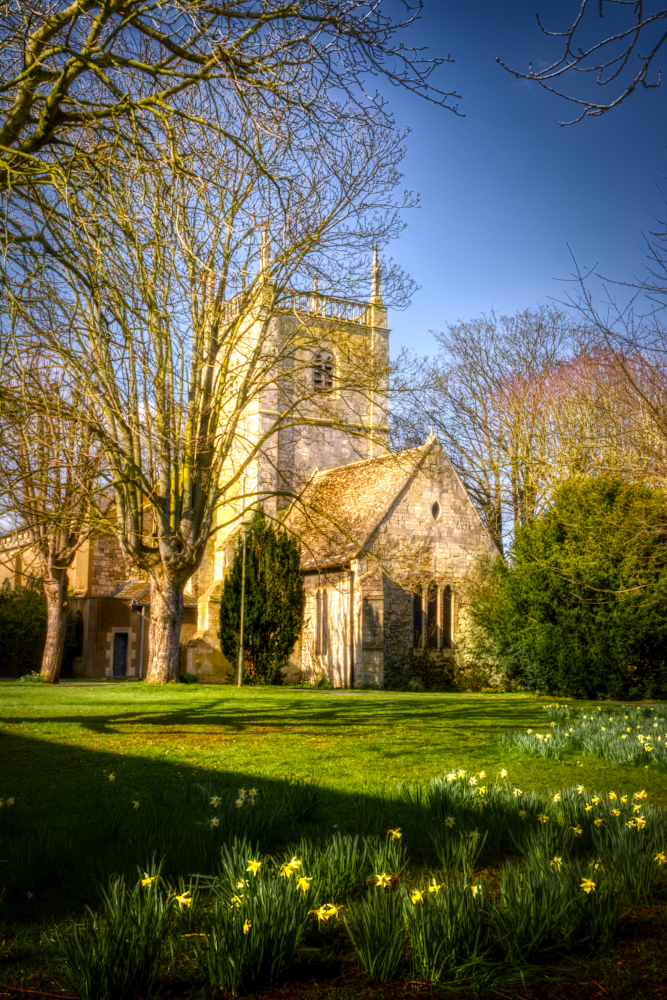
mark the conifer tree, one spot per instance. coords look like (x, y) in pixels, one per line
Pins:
(274, 601)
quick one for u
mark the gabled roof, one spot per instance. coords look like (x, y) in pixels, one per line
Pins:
(139, 591)
(339, 509)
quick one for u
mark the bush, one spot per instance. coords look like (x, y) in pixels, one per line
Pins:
(23, 630)
(581, 608)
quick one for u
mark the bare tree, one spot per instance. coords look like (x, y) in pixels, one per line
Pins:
(71, 72)
(171, 274)
(621, 58)
(51, 484)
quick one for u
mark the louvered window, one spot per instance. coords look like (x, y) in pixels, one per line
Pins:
(323, 372)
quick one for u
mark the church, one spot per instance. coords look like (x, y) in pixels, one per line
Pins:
(387, 538)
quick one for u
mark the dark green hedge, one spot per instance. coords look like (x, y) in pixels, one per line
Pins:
(23, 632)
(581, 607)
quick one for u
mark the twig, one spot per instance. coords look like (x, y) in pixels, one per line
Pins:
(40, 993)
(600, 987)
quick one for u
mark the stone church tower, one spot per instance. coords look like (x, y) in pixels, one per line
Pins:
(294, 453)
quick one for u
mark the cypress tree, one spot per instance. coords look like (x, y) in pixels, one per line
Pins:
(274, 602)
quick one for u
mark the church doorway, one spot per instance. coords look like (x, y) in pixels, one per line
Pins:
(120, 654)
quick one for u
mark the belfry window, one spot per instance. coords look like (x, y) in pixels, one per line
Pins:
(323, 373)
(432, 617)
(447, 618)
(321, 623)
(417, 618)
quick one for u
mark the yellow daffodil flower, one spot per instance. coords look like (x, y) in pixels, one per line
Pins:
(588, 808)
(473, 888)
(588, 885)
(482, 774)
(215, 801)
(183, 900)
(612, 795)
(241, 883)
(417, 895)
(503, 773)
(543, 818)
(451, 777)
(641, 822)
(529, 731)
(556, 862)
(395, 834)
(304, 883)
(135, 804)
(661, 858)
(473, 780)
(522, 813)
(253, 866)
(637, 808)
(576, 830)
(639, 795)
(246, 927)
(236, 901)
(148, 879)
(482, 790)
(557, 797)
(326, 911)
(631, 823)
(517, 791)
(112, 777)
(239, 803)
(450, 821)
(598, 822)
(434, 887)
(616, 812)
(382, 880)
(474, 835)
(624, 798)
(289, 867)
(213, 822)
(595, 799)
(580, 789)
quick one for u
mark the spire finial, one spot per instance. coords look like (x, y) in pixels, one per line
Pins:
(376, 279)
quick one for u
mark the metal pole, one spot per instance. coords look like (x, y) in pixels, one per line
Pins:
(239, 679)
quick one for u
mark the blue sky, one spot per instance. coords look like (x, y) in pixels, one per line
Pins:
(505, 189)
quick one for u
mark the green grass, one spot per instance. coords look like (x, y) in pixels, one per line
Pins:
(59, 745)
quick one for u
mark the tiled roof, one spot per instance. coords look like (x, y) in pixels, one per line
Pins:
(140, 592)
(339, 509)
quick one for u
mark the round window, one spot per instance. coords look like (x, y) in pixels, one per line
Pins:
(436, 511)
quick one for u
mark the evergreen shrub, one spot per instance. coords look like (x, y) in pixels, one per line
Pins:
(23, 630)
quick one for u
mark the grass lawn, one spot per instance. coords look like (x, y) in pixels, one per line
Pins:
(56, 744)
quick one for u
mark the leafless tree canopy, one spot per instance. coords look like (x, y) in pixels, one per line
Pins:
(70, 71)
(614, 44)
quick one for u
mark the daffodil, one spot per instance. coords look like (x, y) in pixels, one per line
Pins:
(473, 888)
(556, 862)
(382, 880)
(183, 900)
(450, 821)
(135, 804)
(395, 834)
(637, 808)
(112, 777)
(588, 885)
(517, 791)
(417, 895)
(595, 799)
(11, 800)
(148, 879)
(239, 803)
(213, 822)
(639, 795)
(641, 822)
(624, 736)
(482, 774)
(289, 867)
(236, 901)
(241, 883)
(451, 777)
(326, 911)
(474, 835)
(482, 790)
(543, 818)
(304, 883)
(557, 797)
(588, 808)
(253, 866)
(522, 813)
(624, 798)
(631, 823)
(616, 812)
(473, 780)
(215, 801)
(576, 830)
(660, 858)
(598, 822)
(246, 927)
(503, 773)
(434, 887)
(580, 789)
(612, 795)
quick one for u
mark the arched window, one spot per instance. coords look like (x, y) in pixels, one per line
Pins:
(321, 623)
(323, 373)
(432, 619)
(417, 618)
(447, 618)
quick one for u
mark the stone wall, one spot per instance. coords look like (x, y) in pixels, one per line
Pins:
(111, 569)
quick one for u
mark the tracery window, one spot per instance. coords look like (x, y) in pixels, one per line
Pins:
(321, 623)
(447, 618)
(417, 618)
(323, 373)
(432, 617)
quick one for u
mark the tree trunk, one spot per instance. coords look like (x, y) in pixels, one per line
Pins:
(164, 658)
(55, 590)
